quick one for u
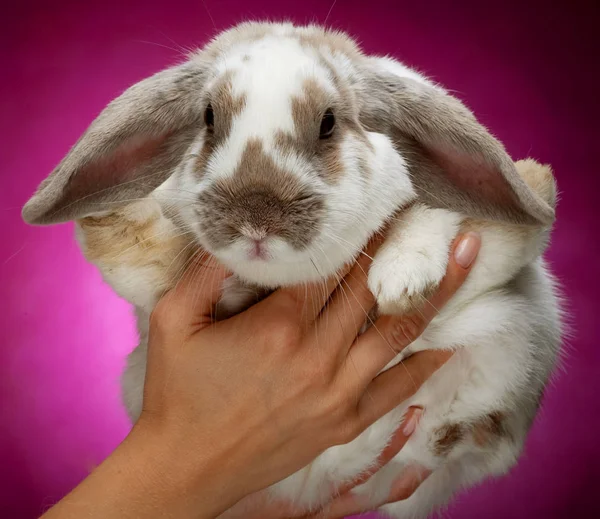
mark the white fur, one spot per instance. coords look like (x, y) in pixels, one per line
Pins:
(269, 80)
(395, 67)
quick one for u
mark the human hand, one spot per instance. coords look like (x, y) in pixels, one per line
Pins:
(260, 395)
(345, 503)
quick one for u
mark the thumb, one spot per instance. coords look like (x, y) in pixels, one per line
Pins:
(191, 302)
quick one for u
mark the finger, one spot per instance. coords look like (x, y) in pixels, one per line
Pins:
(351, 302)
(411, 478)
(341, 507)
(464, 252)
(398, 440)
(350, 504)
(397, 384)
(307, 301)
(195, 295)
(391, 334)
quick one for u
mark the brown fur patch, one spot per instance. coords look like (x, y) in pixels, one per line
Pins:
(308, 109)
(307, 112)
(262, 197)
(485, 431)
(489, 428)
(226, 107)
(208, 146)
(122, 239)
(333, 164)
(447, 437)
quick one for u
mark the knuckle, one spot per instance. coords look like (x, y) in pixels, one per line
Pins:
(289, 300)
(333, 407)
(284, 332)
(164, 316)
(346, 432)
(341, 410)
(405, 330)
(337, 405)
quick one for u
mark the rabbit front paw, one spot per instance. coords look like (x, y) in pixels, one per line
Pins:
(402, 281)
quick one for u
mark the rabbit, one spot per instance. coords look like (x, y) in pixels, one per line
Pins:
(280, 150)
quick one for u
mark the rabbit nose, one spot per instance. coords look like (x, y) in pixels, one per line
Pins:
(258, 242)
(260, 213)
(256, 235)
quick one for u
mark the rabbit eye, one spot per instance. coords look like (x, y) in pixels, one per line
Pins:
(327, 124)
(209, 117)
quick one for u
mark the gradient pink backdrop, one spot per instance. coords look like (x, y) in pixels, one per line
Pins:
(530, 73)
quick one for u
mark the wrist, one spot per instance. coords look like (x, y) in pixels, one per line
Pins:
(197, 477)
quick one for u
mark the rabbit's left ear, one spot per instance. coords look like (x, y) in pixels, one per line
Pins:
(455, 163)
(129, 150)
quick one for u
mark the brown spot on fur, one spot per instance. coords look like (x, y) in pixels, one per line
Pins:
(307, 112)
(226, 107)
(333, 163)
(308, 109)
(447, 437)
(485, 431)
(262, 197)
(203, 157)
(288, 143)
(489, 428)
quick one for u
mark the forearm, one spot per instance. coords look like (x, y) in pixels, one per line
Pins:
(143, 478)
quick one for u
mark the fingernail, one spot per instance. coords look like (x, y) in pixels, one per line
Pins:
(467, 249)
(411, 424)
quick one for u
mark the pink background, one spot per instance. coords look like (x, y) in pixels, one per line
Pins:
(530, 73)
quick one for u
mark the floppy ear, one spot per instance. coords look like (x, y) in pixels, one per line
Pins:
(128, 151)
(455, 163)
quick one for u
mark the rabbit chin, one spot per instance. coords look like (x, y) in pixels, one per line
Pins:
(284, 266)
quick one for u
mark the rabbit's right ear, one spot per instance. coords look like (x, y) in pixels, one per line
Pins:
(128, 151)
(454, 162)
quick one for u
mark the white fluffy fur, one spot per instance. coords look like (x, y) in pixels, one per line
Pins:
(506, 333)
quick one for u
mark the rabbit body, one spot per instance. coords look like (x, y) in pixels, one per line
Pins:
(240, 153)
(504, 324)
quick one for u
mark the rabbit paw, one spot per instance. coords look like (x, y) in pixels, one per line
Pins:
(403, 280)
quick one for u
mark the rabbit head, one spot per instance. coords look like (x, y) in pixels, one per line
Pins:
(283, 149)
